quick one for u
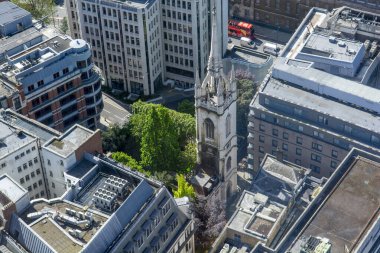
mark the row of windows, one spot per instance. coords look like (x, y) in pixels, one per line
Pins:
(178, 60)
(177, 3)
(299, 141)
(313, 157)
(149, 225)
(176, 15)
(177, 27)
(32, 175)
(178, 49)
(323, 120)
(22, 154)
(25, 165)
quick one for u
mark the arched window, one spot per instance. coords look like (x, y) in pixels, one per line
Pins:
(228, 125)
(209, 129)
(228, 165)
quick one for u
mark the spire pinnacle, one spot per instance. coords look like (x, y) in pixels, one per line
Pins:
(214, 62)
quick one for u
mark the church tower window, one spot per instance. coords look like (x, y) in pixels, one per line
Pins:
(209, 129)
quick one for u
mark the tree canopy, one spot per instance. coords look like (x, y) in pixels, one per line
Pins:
(186, 106)
(209, 219)
(158, 138)
(38, 8)
(184, 189)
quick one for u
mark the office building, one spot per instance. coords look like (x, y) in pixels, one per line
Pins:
(54, 82)
(344, 216)
(265, 212)
(287, 15)
(107, 208)
(37, 156)
(142, 45)
(321, 97)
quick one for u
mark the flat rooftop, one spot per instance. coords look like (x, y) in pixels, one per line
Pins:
(80, 169)
(251, 219)
(10, 12)
(54, 236)
(12, 139)
(55, 232)
(35, 128)
(57, 44)
(321, 46)
(70, 141)
(11, 189)
(350, 208)
(19, 38)
(280, 90)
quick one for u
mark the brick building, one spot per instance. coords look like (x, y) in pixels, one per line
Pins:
(54, 82)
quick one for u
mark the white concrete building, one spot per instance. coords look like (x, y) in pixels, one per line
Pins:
(142, 45)
(36, 156)
(20, 158)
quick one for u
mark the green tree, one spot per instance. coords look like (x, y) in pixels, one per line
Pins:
(188, 157)
(247, 89)
(116, 138)
(184, 124)
(184, 189)
(38, 8)
(127, 160)
(186, 106)
(159, 141)
(64, 26)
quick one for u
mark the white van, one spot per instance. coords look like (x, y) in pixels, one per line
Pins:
(271, 48)
(246, 42)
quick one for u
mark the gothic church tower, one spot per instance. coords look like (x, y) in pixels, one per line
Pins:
(215, 102)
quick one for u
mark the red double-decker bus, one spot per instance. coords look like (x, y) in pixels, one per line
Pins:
(240, 29)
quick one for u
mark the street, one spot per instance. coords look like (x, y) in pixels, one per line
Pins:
(113, 112)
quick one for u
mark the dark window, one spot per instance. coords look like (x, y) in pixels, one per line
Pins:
(299, 140)
(285, 135)
(61, 89)
(298, 151)
(56, 75)
(65, 71)
(44, 97)
(334, 153)
(209, 129)
(40, 83)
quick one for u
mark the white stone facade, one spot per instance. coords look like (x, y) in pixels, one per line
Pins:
(215, 101)
(140, 46)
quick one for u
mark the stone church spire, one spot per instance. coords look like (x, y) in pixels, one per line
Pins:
(215, 64)
(215, 105)
(216, 86)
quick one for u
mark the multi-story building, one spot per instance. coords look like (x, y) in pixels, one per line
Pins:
(287, 15)
(54, 82)
(141, 45)
(107, 208)
(320, 100)
(37, 156)
(266, 211)
(334, 221)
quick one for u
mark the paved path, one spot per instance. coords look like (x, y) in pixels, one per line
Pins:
(114, 112)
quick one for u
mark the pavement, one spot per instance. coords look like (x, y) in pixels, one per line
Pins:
(114, 112)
